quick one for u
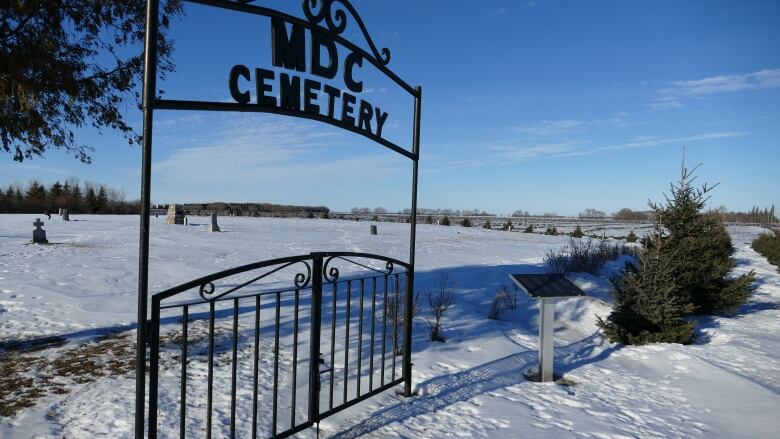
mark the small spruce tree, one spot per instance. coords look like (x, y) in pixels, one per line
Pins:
(487, 225)
(465, 222)
(631, 237)
(507, 225)
(551, 231)
(577, 233)
(428, 219)
(529, 229)
(445, 221)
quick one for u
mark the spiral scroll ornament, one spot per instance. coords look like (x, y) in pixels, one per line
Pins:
(206, 291)
(335, 17)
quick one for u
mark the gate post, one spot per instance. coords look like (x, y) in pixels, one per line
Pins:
(409, 315)
(314, 342)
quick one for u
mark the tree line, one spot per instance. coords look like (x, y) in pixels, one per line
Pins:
(77, 197)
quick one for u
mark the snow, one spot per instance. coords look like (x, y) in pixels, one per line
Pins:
(83, 286)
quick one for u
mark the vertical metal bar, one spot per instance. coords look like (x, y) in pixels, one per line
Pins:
(333, 344)
(276, 364)
(255, 371)
(233, 371)
(154, 369)
(407, 368)
(346, 340)
(295, 357)
(397, 306)
(149, 90)
(384, 335)
(360, 337)
(373, 337)
(314, 339)
(183, 415)
(546, 325)
(210, 384)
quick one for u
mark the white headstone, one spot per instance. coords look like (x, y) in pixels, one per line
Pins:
(60, 212)
(214, 227)
(39, 235)
(65, 215)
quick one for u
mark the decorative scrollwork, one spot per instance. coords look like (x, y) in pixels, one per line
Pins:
(331, 274)
(206, 290)
(336, 20)
(389, 267)
(301, 280)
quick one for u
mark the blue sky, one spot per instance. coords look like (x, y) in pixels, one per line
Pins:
(545, 106)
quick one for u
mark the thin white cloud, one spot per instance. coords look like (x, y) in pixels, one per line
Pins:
(665, 103)
(767, 78)
(510, 153)
(556, 127)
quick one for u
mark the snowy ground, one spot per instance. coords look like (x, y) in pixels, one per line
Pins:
(74, 299)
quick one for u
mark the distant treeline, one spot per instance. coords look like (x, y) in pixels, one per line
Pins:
(756, 215)
(78, 197)
(251, 209)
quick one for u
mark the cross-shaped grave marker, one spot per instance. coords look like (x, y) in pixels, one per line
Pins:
(39, 235)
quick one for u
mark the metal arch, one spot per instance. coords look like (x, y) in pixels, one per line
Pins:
(260, 10)
(167, 104)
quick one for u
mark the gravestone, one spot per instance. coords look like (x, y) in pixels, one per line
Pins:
(214, 227)
(59, 212)
(39, 235)
(65, 215)
(186, 220)
(175, 215)
(373, 230)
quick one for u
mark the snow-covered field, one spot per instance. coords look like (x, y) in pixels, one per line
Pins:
(78, 296)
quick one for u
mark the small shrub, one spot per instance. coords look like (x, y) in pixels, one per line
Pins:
(440, 298)
(584, 256)
(552, 231)
(325, 215)
(497, 307)
(487, 225)
(375, 218)
(465, 222)
(504, 299)
(396, 316)
(445, 221)
(428, 219)
(768, 245)
(631, 237)
(507, 226)
(309, 215)
(577, 233)
(529, 229)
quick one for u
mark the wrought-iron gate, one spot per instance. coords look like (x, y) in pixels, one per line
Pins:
(270, 358)
(214, 331)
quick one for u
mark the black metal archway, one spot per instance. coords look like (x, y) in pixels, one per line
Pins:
(325, 20)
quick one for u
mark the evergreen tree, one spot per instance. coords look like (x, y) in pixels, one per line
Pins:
(507, 225)
(76, 199)
(465, 222)
(577, 233)
(551, 231)
(647, 306)
(445, 221)
(102, 199)
(90, 200)
(684, 269)
(487, 225)
(631, 237)
(529, 229)
(55, 191)
(703, 248)
(428, 219)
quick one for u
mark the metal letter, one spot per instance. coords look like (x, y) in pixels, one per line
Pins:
(381, 118)
(365, 115)
(290, 92)
(319, 40)
(346, 108)
(288, 51)
(235, 72)
(309, 96)
(352, 60)
(262, 99)
(332, 93)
